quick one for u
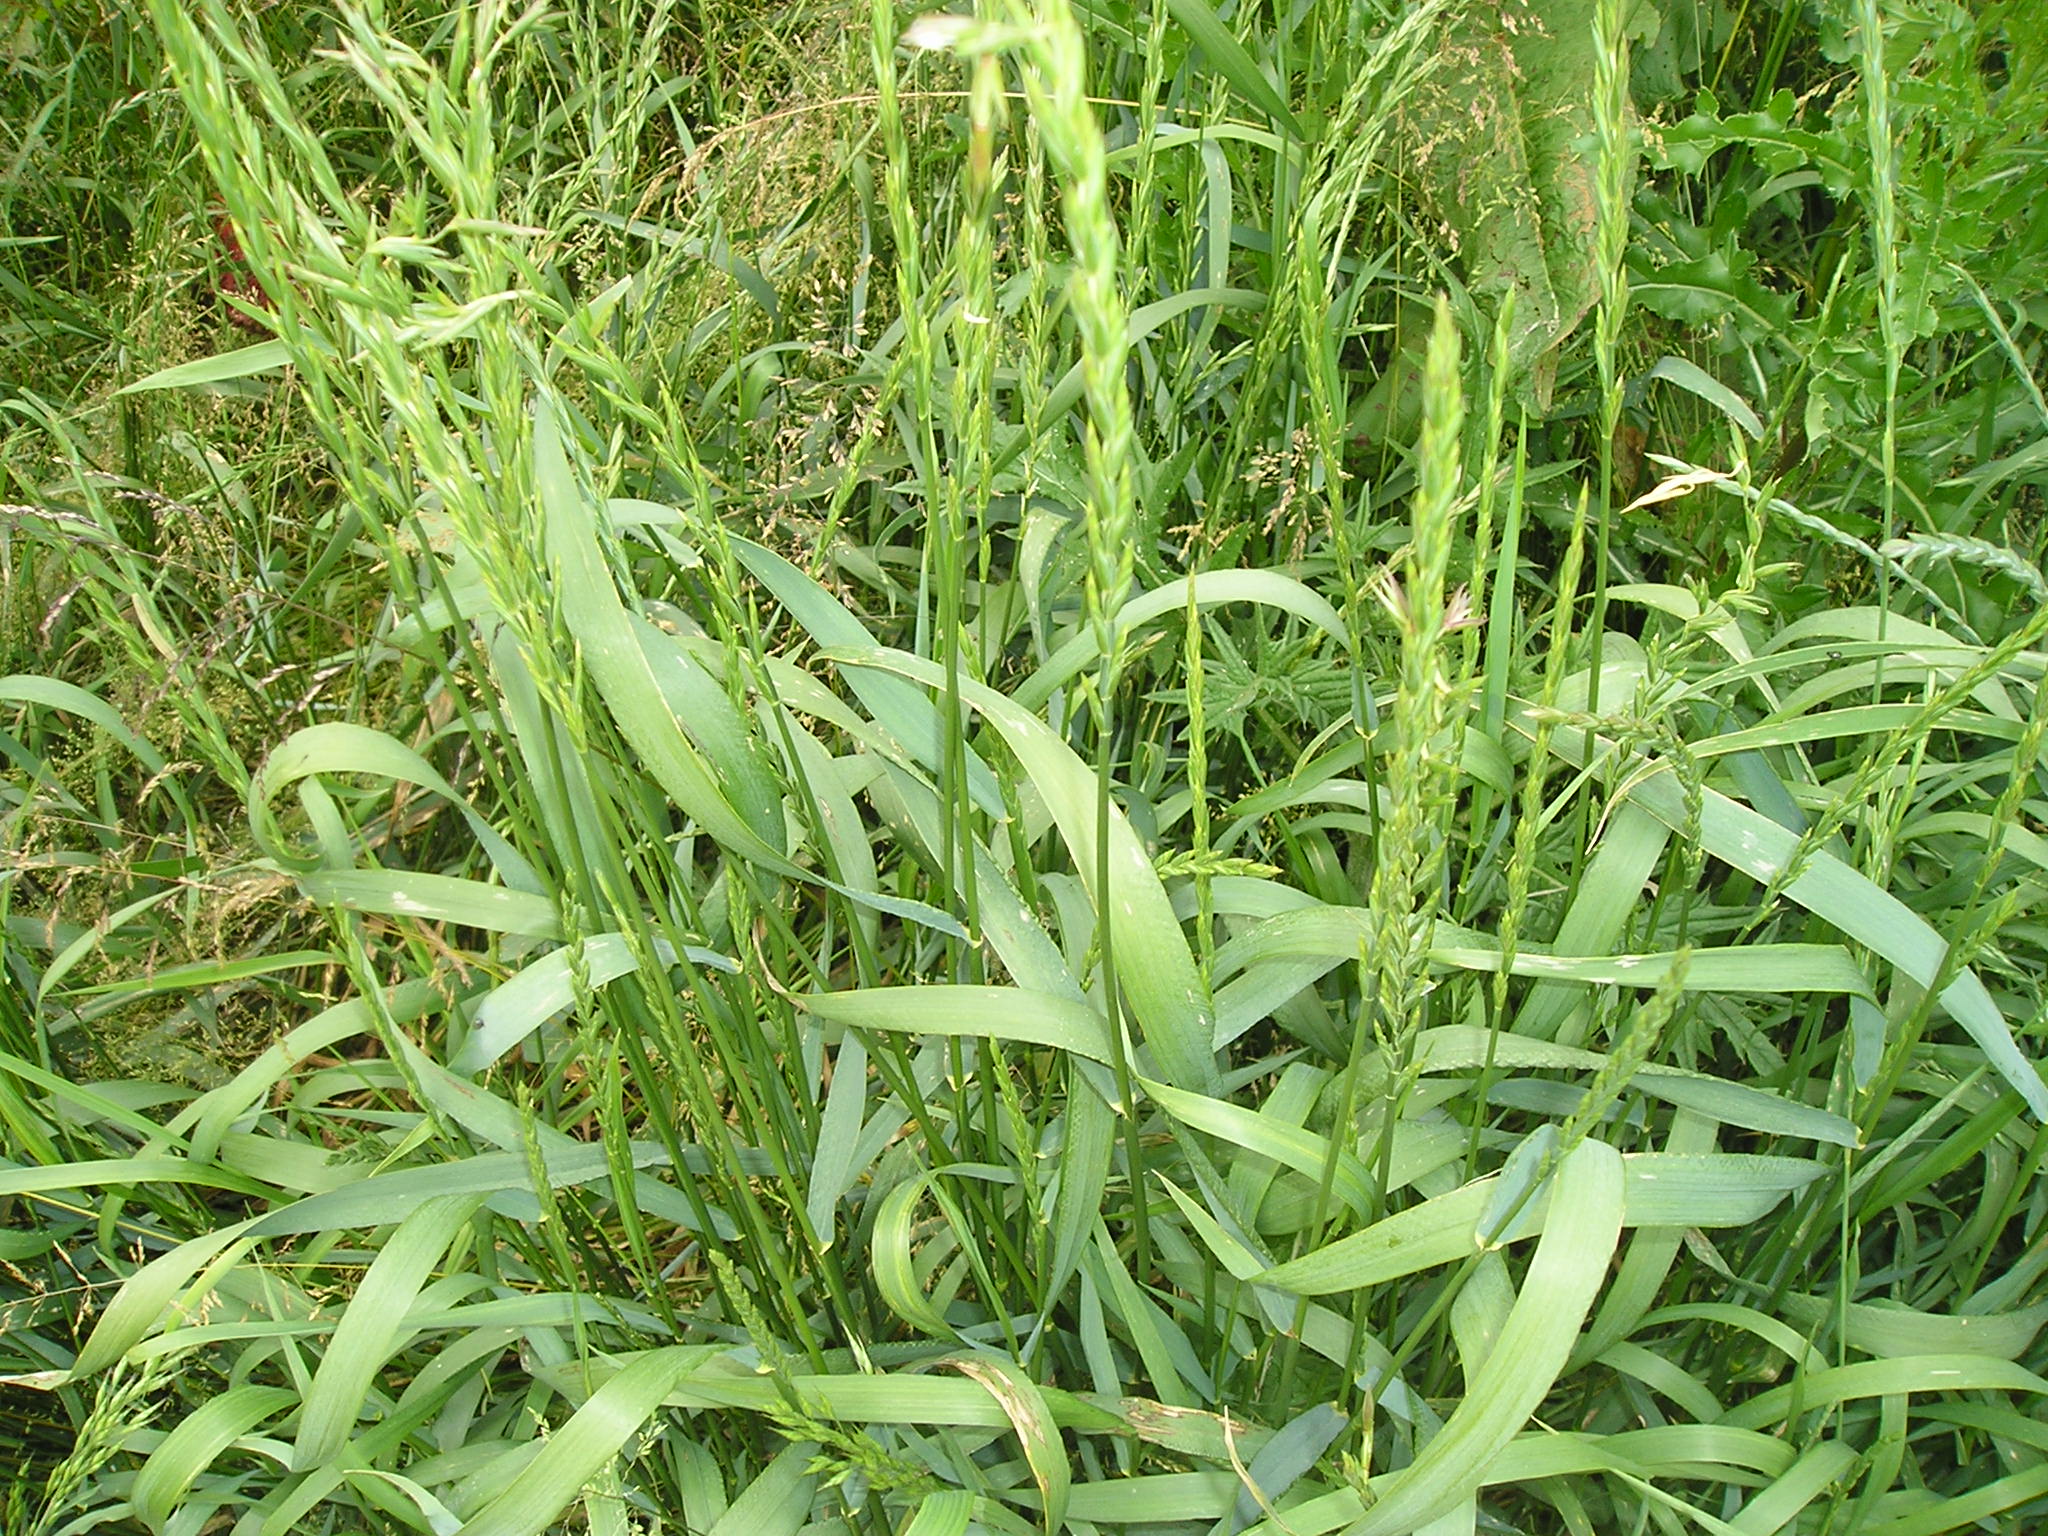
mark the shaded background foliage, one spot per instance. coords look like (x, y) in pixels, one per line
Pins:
(810, 770)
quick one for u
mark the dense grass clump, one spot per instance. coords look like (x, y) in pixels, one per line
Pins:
(1069, 766)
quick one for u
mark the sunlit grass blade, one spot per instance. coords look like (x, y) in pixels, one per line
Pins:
(1820, 1390)
(241, 363)
(1290, 1146)
(970, 1012)
(1658, 1190)
(618, 662)
(1155, 967)
(372, 1325)
(599, 1429)
(516, 1007)
(1564, 1278)
(436, 898)
(189, 1449)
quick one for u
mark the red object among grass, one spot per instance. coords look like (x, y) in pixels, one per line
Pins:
(236, 281)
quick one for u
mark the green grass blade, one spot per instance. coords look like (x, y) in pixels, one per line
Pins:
(1972, 1509)
(893, 1263)
(1262, 1136)
(1464, 1047)
(1696, 380)
(54, 693)
(1293, 1452)
(121, 1172)
(699, 703)
(149, 1294)
(1233, 61)
(1564, 1278)
(899, 708)
(339, 747)
(1209, 589)
(1024, 1405)
(1155, 968)
(577, 1451)
(1819, 1390)
(944, 1513)
(373, 1325)
(189, 1449)
(1769, 1510)
(1890, 1332)
(618, 662)
(834, 1165)
(1660, 1190)
(242, 363)
(436, 899)
(1837, 894)
(515, 1008)
(971, 1013)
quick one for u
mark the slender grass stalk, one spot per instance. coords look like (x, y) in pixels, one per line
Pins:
(942, 576)
(1530, 813)
(1144, 259)
(1407, 867)
(1485, 659)
(1036, 343)
(976, 337)
(1884, 237)
(1612, 164)
(1055, 68)
(1409, 853)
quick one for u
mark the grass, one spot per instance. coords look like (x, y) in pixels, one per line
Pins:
(1082, 768)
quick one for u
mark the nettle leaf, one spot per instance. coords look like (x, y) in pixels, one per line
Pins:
(1768, 134)
(1691, 35)
(1718, 287)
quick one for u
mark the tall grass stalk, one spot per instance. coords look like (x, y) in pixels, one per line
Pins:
(1055, 70)
(1410, 856)
(976, 340)
(1613, 162)
(940, 578)
(1884, 240)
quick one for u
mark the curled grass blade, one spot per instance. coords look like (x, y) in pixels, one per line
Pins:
(1154, 965)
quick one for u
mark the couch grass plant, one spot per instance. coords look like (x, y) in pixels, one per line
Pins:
(1064, 766)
